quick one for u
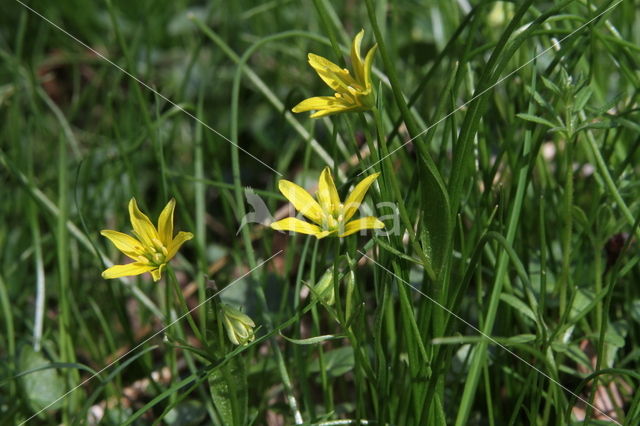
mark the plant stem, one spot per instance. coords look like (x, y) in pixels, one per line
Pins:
(567, 213)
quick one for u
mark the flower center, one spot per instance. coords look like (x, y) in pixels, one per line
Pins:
(155, 255)
(334, 220)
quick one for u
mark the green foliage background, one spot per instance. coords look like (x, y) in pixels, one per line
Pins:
(513, 128)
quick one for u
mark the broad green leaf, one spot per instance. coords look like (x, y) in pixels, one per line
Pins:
(436, 222)
(581, 301)
(336, 362)
(229, 391)
(41, 387)
(188, 413)
(614, 340)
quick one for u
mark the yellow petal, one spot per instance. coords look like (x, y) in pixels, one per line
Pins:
(356, 59)
(301, 200)
(130, 269)
(165, 222)
(125, 243)
(368, 63)
(339, 79)
(324, 103)
(357, 195)
(362, 223)
(176, 243)
(297, 225)
(327, 112)
(156, 274)
(327, 192)
(142, 226)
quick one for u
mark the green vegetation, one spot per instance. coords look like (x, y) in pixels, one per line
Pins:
(505, 291)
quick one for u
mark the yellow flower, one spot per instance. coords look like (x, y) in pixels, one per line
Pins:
(153, 247)
(329, 214)
(352, 93)
(239, 326)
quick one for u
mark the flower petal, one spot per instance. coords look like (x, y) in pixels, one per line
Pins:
(368, 63)
(360, 224)
(296, 225)
(142, 226)
(327, 192)
(176, 243)
(125, 243)
(357, 195)
(130, 269)
(324, 103)
(156, 274)
(326, 112)
(165, 222)
(301, 200)
(356, 59)
(339, 79)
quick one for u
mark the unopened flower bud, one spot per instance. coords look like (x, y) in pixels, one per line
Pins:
(324, 288)
(238, 325)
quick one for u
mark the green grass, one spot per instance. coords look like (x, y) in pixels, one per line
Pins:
(507, 140)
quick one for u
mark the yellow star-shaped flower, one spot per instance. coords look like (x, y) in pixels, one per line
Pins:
(328, 213)
(152, 249)
(352, 93)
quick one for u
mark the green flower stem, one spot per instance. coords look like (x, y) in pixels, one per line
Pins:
(235, 97)
(395, 188)
(199, 192)
(286, 381)
(66, 348)
(329, 28)
(400, 101)
(597, 276)
(39, 311)
(604, 320)
(604, 173)
(324, 380)
(479, 354)
(567, 229)
(201, 337)
(336, 282)
(8, 334)
(183, 304)
(238, 196)
(168, 309)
